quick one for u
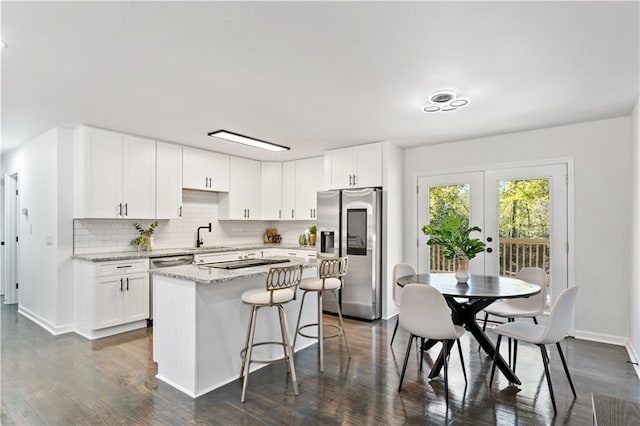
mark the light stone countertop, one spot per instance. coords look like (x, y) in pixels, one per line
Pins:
(130, 255)
(208, 275)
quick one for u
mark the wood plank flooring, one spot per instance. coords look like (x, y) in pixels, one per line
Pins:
(64, 380)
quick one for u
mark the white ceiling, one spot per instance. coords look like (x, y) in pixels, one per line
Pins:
(314, 76)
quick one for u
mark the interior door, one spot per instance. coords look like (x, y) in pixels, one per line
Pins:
(11, 235)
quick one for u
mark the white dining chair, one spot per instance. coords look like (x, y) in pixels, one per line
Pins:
(400, 270)
(522, 307)
(554, 331)
(424, 313)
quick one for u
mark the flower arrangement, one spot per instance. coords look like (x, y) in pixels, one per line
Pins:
(144, 239)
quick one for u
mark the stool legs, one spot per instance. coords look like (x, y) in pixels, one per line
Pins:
(247, 355)
(320, 331)
(288, 350)
(304, 294)
(346, 342)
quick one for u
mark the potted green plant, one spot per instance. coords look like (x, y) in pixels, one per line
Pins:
(145, 239)
(453, 236)
(313, 230)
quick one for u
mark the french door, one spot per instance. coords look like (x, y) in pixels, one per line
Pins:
(522, 213)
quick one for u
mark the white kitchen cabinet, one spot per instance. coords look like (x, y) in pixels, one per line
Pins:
(251, 254)
(289, 190)
(306, 188)
(168, 181)
(111, 297)
(217, 257)
(355, 167)
(271, 190)
(305, 254)
(242, 202)
(205, 170)
(114, 176)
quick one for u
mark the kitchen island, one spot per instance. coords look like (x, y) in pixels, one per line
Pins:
(200, 323)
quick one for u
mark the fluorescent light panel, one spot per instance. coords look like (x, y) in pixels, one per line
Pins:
(246, 140)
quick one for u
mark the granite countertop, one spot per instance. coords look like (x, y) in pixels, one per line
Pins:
(129, 255)
(207, 275)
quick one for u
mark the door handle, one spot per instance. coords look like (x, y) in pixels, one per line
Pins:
(489, 239)
(489, 250)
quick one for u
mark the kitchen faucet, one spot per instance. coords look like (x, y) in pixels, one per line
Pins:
(198, 239)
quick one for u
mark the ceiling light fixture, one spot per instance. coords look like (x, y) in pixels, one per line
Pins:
(444, 100)
(246, 140)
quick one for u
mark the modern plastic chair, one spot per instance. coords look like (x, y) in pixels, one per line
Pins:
(330, 273)
(281, 285)
(554, 331)
(522, 307)
(424, 313)
(400, 270)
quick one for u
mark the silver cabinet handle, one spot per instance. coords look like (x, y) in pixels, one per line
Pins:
(248, 213)
(180, 211)
(279, 213)
(355, 180)
(120, 210)
(126, 209)
(350, 178)
(206, 182)
(127, 283)
(291, 213)
(121, 284)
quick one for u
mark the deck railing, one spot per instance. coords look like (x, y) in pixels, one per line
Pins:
(515, 254)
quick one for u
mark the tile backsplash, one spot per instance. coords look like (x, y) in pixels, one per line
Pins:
(198, 209)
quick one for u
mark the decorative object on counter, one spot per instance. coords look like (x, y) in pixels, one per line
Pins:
(277, 239)
(452, 235)
(145, 239)
(302, 239)
(313, 230)
(269, 234)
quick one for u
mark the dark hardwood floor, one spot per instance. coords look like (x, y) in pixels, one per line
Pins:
(67, 379)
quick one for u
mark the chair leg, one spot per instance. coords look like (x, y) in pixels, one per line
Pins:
(566, 369)
(495, 356)
(535, 320)
(464, 370)
(545, 360)
(246, 345)
(283, 334)
(515, 353)
(421, 353)
(247, 358)
(406, 359)
(484, 327)
(295, 337)
(509, 342)
(395, 329)
(344, 333)
(320, 332)
(445, 346)
(288, 350)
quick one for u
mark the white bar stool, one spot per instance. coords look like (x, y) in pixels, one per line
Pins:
(330, 273)
(282, 282)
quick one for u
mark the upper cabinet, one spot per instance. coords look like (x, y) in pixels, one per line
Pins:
(168, 181)
(205, 170)
(289, 190)
(355, 167)
(115, 175)
(271, 190)
(306, 188)
(243, 200)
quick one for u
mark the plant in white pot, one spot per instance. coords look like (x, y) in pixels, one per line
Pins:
(453, 236)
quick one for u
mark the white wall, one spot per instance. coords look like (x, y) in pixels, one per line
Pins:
(44, 183)
(601, 152)
(634, 299)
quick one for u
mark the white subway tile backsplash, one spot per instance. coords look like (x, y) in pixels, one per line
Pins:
(199, 208)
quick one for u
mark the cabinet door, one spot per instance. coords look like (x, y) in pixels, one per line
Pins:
(139, 178)
(252, 190)
(136, 297)
(243, 200)
(168, 181)
(321, 184)
(194, 168)
(341, 168)
(306, 188)
(289, 190)
(103, 173)
(271, 190)
(107, 301)
(218, 172)
(368, 165)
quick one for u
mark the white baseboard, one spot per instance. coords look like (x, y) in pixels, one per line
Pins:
(633, 357)
(53, 329)
(601, 337)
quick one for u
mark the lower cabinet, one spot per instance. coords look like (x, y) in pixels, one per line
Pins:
(226, 256)
(111, 297)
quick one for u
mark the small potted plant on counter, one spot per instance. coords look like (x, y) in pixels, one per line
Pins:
(312, 235)
(145, 239)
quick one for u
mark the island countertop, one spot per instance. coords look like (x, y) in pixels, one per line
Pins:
(206, 274)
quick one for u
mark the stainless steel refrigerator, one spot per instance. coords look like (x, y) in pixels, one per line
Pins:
(349, 224)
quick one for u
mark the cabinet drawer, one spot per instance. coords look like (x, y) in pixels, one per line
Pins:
(122, 267)
(217, 257)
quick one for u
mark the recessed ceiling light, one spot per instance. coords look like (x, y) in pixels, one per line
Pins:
(246, 140)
